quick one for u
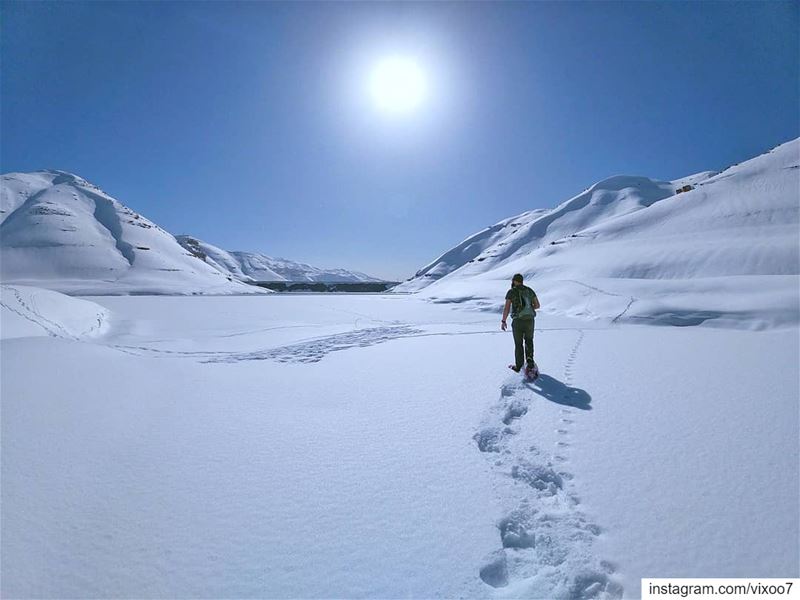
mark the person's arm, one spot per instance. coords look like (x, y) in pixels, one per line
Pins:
(506, 310)
(536, 305)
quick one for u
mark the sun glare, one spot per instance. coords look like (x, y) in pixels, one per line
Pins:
(398, 85)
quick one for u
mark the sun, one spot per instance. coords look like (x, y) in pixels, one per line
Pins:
(398, 85)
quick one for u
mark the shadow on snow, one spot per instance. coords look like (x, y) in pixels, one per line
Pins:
(559, 392)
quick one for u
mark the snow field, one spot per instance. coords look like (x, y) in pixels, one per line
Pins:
(377, 446)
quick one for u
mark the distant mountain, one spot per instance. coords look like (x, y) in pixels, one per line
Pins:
(631, 248)
(251, 266)
(59, 231)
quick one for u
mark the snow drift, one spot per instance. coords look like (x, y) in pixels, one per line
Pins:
(631, 249)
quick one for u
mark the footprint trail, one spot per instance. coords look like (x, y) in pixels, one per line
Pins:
(545, 540)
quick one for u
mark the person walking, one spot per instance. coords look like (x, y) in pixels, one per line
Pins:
(522, 302)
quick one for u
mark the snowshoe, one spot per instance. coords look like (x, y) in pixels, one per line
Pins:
(532, 371)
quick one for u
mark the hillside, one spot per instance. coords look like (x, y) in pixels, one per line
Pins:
(630, 248)
(60, 232)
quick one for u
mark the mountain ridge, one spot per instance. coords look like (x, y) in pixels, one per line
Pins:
(254, 266)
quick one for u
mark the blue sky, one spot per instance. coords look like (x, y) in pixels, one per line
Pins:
(249, 125)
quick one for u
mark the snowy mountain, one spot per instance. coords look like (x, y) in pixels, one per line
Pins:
(631, 248)
(60, 232)
(252, 266)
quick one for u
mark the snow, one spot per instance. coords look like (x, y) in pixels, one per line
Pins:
(29, 311)
(65, 234)
(326, 445)
(220, 259)
(330, 446)
(629, 249)
(253, 266)
(721, 435)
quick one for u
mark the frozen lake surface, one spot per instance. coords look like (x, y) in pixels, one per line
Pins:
(377, 446)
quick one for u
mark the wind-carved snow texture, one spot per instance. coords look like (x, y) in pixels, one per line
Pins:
(307, 351)
(546, 542)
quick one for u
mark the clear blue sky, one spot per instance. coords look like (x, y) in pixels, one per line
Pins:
(248, 124)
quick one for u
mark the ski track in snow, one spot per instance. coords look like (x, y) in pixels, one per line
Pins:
(26, 311)
(593, 288)
(546, 540)
(627, 308)
(30, 311)
(616, 319)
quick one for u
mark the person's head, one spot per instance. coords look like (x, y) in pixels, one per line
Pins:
(516, 280)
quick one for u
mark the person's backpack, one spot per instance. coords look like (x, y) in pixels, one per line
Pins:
(521, 303)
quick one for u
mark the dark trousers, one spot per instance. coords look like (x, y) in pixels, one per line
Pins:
(523, 331)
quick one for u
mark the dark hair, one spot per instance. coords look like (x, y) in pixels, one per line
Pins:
(517, 277)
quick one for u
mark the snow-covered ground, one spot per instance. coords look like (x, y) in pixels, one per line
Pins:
(377, 446)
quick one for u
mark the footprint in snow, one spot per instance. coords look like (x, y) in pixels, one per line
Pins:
(545, 539)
